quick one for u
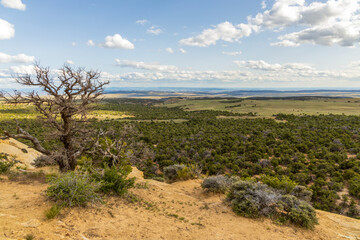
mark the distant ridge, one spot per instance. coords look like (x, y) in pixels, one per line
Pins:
(219, 92)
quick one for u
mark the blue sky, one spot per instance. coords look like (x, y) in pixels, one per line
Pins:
(198, 43)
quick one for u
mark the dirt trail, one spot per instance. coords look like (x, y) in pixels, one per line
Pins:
(165, 211)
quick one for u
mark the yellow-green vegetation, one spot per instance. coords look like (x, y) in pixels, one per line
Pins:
(19, 111)
(53, 211)
(267, 108)
(108, 114)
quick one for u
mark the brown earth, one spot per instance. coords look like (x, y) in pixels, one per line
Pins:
(164, 211)
(21, 151)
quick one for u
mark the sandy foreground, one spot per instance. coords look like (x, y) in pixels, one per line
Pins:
(159, 211)
(165, 211)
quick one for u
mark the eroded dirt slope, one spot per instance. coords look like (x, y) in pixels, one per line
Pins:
(177, 211)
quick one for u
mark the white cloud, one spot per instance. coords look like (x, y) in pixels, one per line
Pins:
(142, 22)
(334, 22)
(296, 72)
(23, 69)
(225, 31)
(7, 30)
(90, 43)
(145, 66)
(16, 4)
(263, 4)
(331, 22)
(154, 30)
(184, 76)
(232, 53)
(264, 66)
(355, 64)
(345, 34)
(169, 50)
(20, 58)
(70, 62)
(73, 44)
(182, 50)
(117, 41)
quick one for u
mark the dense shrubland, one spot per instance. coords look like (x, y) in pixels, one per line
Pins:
(320, 153)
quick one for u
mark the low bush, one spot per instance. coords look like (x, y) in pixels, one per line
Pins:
(250, 199)
(218, 184)
(302, 193)
(43, 160)
(299, 212)
(5, 163)
(73, 189)
(354, 186)
(53, 211)
(114, 180)
(180, 172)
(283, 183)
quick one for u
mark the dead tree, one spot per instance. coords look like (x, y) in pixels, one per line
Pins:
(68, 94)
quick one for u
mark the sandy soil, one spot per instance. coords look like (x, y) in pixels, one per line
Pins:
(22, 152)
(164, 211)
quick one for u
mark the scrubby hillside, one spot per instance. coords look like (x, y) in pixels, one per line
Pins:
(155, 211)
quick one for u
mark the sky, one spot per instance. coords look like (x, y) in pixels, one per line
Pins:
(189, 43)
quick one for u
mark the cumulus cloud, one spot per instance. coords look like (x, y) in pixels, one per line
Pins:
(117, 41)
(154, 30)
(294, 71)
(90, 43)
(184, 76)
(142, 22)
(70, 62)
(263, 4)
(20, 58)
(7, 30)
(331, 22)
(16, 4)
(145, 66)
(182, 50)
(342, 33)
(225, 31)
(23, 69)
(73, 44)
(334, 22)
(169, 50)
(355, 64)
(232, 53)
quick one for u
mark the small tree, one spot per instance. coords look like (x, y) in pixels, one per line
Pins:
(69, 93)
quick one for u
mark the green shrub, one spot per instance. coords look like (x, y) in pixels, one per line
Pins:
(302, 193)
(42, 161)
(299, 212)
(354, 187)
(283, 183)
(29, 237)
(73, 189)
(250, 199)
(53, 211)
(114, 179)
(180, 172)
(218, 184)
(5, 163)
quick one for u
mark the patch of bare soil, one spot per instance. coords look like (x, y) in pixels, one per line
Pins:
(21, 151)
(156, 211)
